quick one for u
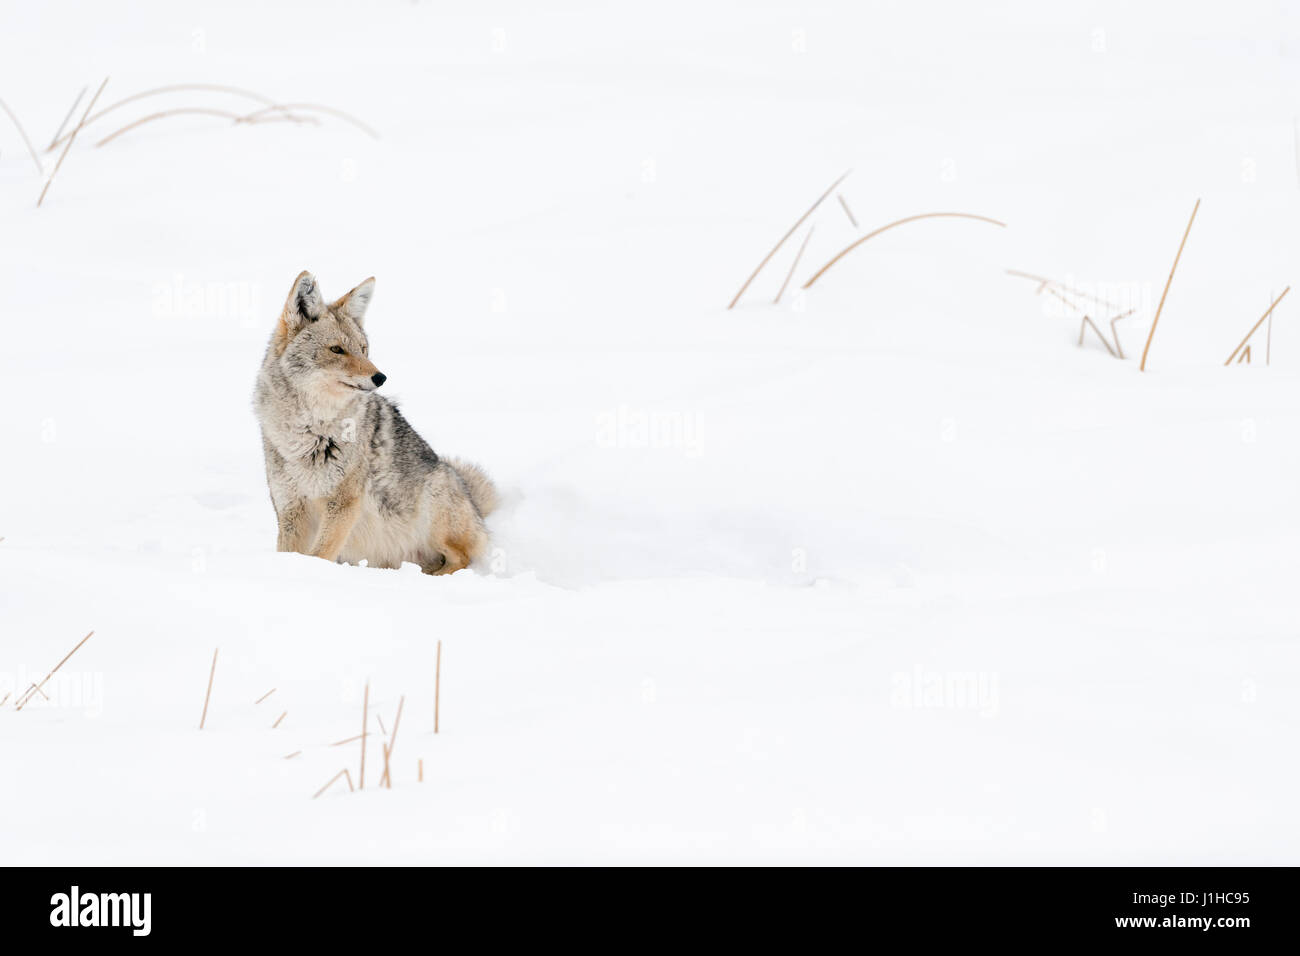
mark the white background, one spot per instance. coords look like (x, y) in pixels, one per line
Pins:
(892, 572)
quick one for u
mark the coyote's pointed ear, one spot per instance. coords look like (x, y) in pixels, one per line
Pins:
(355, 303)
(304, 304)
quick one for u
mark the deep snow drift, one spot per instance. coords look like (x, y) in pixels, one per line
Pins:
(893, 571)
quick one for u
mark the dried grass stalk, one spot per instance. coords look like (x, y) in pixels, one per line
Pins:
(1268, 347)
(178, 88)
(264, 696)
(893, 225)
(1043, 282)
(1063, 293)
(341, 773)
(794, 265)
(365, 713)
(257, 115)
(1114, 332)
(388, 747)
(1088, 324)
(70, 139)
(71, 109)
(844, 204)
(1060, 297)
(1168, 282)
(798, 222)
(278, 719)
(346, 740)
(207, 697)
(19, 704)
(1257, 325)
(179, 111)
(40, 170)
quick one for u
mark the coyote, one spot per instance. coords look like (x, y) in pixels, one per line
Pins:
(349, 478)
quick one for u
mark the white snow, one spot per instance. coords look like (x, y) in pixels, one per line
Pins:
(893, 572)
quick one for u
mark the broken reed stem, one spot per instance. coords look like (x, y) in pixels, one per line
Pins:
(264, 696)
(1268, 347)
(341, 773)
(71, 138)
(33, 689)
(1045, 281)
(437, 680)
(397, 722)
(5, 698)
(798, 222)
(1060, 292)
(292, 755)
(71, 109)
(40, 170)
(794, 265)
(1168, 282)
(1257, 325)
(176, 88)
(1058, 295)
(1117, 351)
(420, 764)
(1245, 356)
(347, 740)
(1114, 332)
(1087, 323)
(27, 695)
(388, 747)
(278, 719)
(847, 211)
(382, 729)
(893, 225)
(365, 710)
(208, 697)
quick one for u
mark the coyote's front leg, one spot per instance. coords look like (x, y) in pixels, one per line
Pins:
(294, 522)
(339, 512)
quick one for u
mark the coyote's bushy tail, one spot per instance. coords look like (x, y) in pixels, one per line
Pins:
(481, 490)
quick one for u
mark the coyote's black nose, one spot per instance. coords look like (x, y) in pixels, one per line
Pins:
(379, 378)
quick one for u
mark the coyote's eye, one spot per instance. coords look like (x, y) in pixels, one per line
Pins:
(337, 349)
